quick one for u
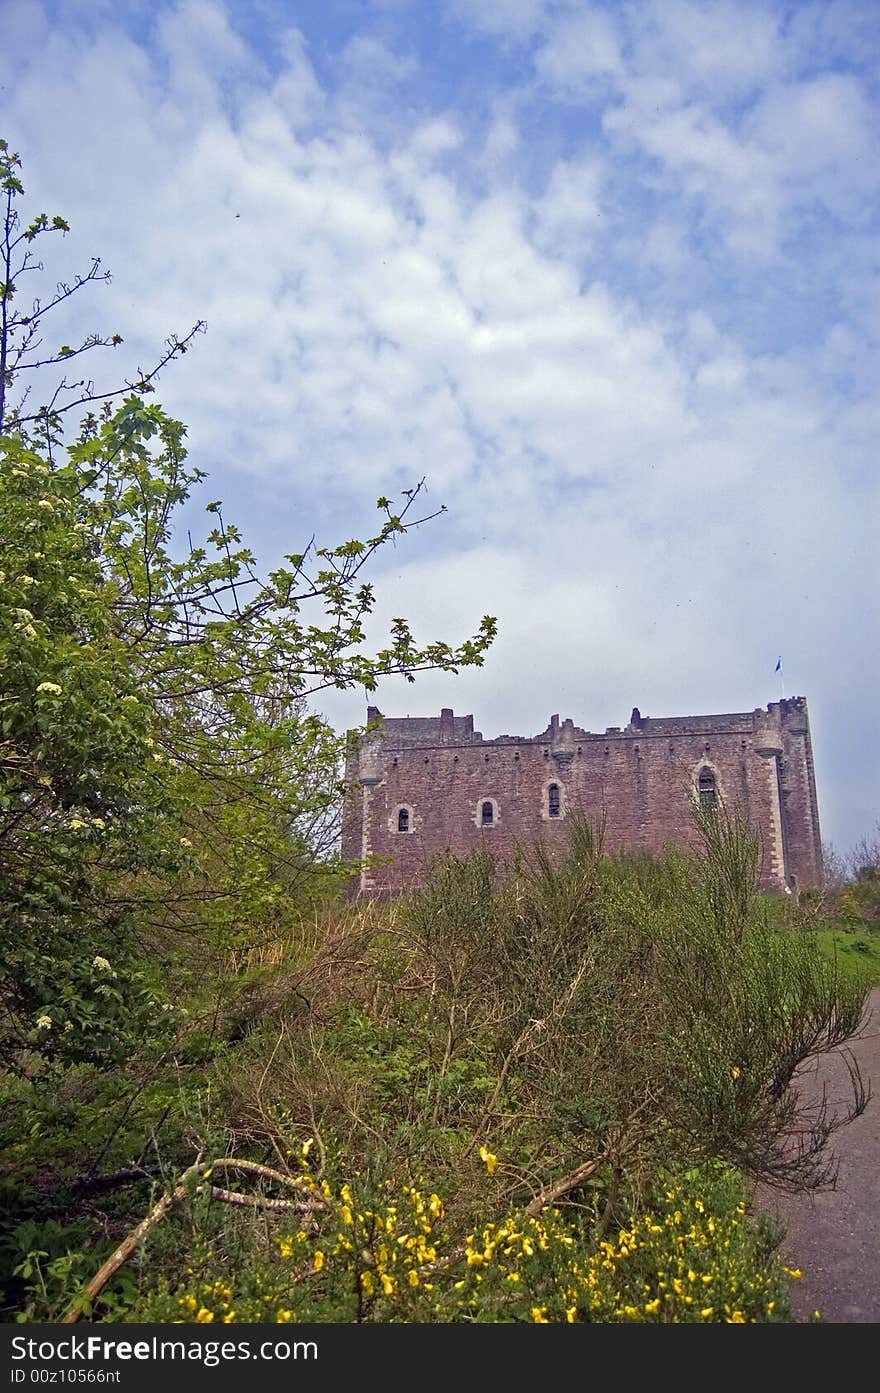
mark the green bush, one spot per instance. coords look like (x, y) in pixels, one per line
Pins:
(392, 1255)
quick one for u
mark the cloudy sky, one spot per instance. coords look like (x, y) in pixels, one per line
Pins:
(605, 273)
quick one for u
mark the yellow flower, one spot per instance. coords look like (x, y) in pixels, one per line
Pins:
(488, 1159)
(319, 1260)
(51, 687)
(367, 1283)
(285, 1248)
(539, 1315)
(44, 1022)
(387, 1284)
(185, 841)
(707, 1312)
(735, 1072)
(25, 580)
(794, 1272)
(413, 1278)
(204, 1316)
(45, 505)
(652, 1307)
(284, 1317)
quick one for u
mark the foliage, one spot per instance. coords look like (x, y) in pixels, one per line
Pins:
(636, 1007)
(385, 1254)
(852, 884)
(547, 1048)
(80, 803)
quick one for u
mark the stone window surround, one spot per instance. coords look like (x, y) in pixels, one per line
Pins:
(706, 763)
(394, 820)
(546, 814)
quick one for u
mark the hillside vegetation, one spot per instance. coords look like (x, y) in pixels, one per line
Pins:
(533, 1098)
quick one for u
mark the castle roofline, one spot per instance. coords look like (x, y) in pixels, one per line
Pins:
(407, 732)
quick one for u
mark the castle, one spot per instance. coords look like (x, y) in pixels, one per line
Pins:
(417, 786)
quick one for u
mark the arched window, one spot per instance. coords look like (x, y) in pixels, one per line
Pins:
(706, 788)
(487, 814)
(554, 802)
(403, 820)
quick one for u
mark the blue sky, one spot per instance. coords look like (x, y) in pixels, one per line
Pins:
(607, 274)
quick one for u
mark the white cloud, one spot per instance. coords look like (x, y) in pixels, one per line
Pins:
(723, 50)
(567, 215)
(296, 95)
(582, 48)
(823, 133)
(516, 19)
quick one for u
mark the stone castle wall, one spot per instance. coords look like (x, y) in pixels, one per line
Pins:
(434, 777)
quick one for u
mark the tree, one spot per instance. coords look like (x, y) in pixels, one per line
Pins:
(23, 348)
(161, 768)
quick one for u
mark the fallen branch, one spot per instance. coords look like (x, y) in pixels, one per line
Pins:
(178, 1192)
(621, 1141)
(128, 1244)
(113, 1180)
(551, 1193)
(257, 1201)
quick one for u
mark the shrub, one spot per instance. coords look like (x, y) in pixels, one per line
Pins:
(393, 1256)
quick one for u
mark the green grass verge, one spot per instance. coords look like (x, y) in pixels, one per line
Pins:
(856, 952)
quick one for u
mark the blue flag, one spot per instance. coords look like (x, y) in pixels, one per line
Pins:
(778, 667)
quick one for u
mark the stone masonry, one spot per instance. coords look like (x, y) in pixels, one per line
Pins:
(417, 786)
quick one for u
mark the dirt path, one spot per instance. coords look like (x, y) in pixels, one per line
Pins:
(834, 1238)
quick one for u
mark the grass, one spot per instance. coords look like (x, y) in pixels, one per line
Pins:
(856, 952)
(853, 945)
